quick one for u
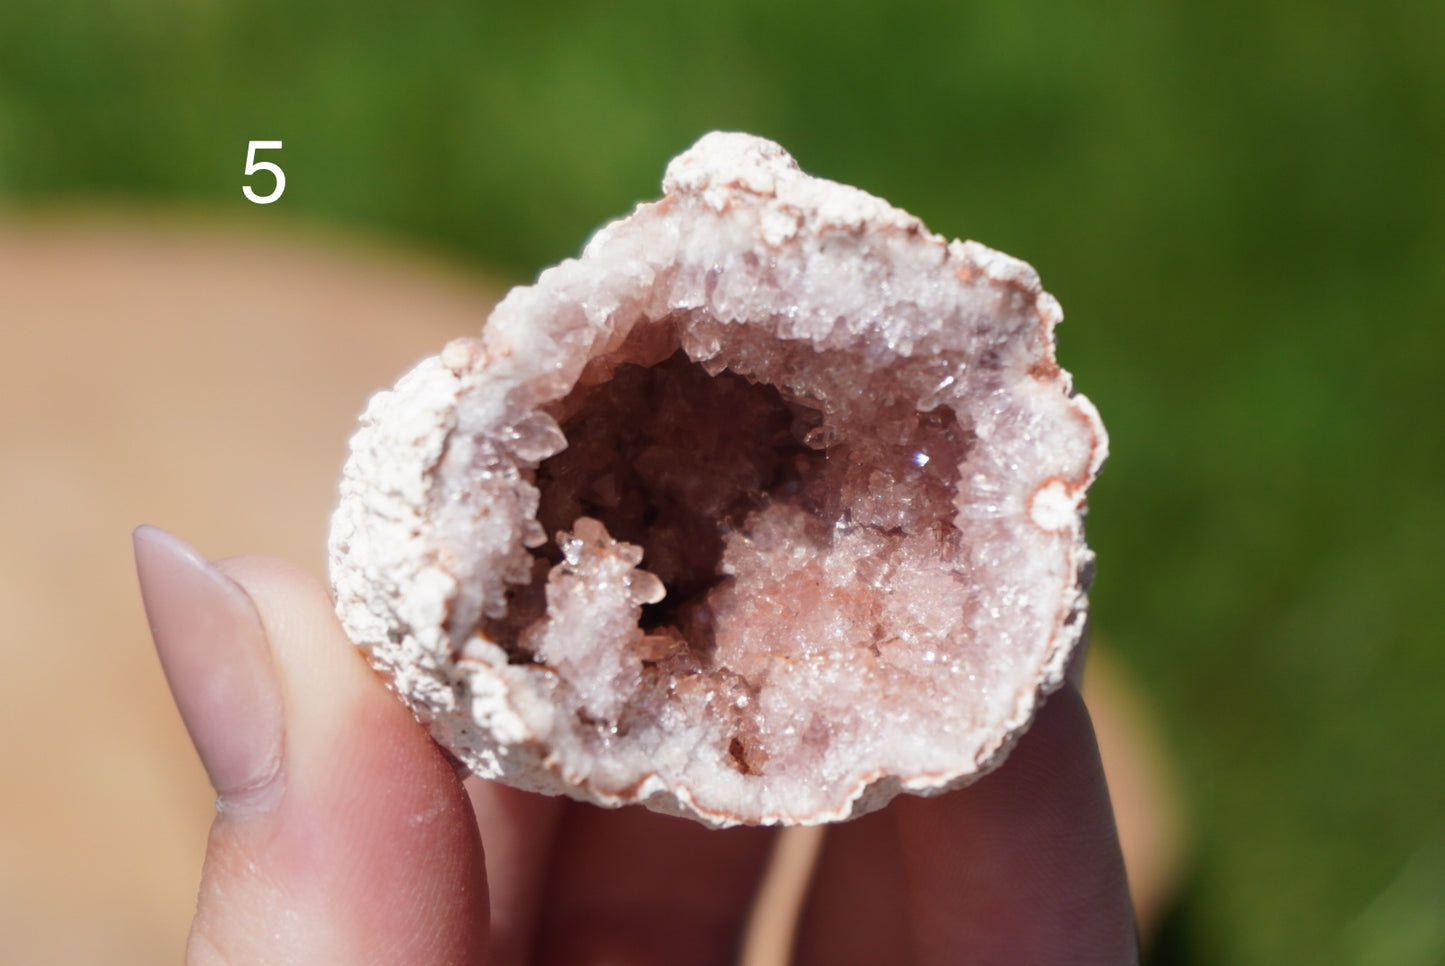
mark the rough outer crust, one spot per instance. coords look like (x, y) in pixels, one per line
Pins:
(436, 511)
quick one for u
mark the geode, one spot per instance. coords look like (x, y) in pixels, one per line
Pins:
(766, 508)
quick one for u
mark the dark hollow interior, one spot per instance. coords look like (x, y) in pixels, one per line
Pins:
(670, 458)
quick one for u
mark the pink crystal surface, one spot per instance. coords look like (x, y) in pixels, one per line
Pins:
(765, 509)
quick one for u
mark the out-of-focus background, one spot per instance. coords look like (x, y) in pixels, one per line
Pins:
(1241, 206)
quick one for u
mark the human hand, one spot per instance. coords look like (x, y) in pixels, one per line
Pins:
(345, 835)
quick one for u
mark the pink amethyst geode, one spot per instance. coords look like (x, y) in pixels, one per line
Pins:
(765, 509)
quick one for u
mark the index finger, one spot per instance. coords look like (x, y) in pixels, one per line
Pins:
(1022, 867)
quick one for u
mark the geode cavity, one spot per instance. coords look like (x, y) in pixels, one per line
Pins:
(765, 509)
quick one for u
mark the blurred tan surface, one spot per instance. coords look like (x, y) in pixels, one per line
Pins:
(207, 382)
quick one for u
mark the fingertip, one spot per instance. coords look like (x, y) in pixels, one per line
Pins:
(217, 662)
(519, 829)
(296, 609)
(372, 846)
(1024, 866)
(633, 886)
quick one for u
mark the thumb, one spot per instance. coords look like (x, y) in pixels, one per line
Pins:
(342, 833)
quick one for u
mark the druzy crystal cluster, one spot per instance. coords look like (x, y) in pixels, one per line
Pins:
(766, 508)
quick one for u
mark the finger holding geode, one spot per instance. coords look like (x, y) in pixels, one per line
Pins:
(766, 508)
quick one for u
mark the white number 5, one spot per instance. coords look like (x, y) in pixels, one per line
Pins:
(252, 166)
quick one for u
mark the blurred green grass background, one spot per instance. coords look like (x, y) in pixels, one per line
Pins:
(1240, 205)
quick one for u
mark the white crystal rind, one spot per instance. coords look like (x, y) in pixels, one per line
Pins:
(845, 305)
